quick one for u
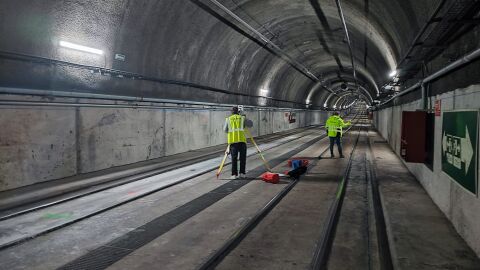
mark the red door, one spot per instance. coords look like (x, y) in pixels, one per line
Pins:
(412, 146)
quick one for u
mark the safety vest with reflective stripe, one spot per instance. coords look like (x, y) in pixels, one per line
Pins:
(334, 125)
(236, 129)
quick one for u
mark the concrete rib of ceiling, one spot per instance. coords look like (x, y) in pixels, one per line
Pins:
(311, 32)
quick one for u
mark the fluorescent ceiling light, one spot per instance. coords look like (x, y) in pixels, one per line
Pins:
(264, 92)
(393, 73)
(74, 46)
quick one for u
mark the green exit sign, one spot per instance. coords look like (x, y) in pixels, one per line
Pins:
(459, 147)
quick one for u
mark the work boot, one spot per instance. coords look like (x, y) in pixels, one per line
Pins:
(243, 176)
(233, 177)
(332, 156)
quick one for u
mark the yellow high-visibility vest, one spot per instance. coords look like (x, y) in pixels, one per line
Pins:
(335, 125)
(236, 129)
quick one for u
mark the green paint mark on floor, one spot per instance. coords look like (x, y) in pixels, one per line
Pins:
(57, 215)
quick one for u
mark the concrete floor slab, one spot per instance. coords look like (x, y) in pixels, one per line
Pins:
(68, 243)
(32, 224)
(420, 236)
(287, 237)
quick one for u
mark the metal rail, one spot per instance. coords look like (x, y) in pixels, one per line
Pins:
(239, 235)
(141, 175)
(233, 242)
(320, 258)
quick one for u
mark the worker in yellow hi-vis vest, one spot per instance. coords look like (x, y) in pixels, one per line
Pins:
(235, 127)
(334, 127)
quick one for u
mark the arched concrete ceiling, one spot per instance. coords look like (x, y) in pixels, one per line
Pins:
(193, 50)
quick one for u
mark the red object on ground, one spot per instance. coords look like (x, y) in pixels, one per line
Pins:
(269, 177)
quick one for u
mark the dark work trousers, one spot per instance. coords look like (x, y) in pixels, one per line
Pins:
(235, 149)
(338, 141)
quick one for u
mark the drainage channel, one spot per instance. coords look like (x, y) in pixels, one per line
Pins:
(356, 221)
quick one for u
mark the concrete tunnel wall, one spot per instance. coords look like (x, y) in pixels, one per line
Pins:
(460, 206)
(42, 144)
(192, 42)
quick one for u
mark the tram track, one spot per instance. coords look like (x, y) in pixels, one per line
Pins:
(375, 255)
(8, 243)
(109, 253)
(217, 257)
(324, 245)
(115, 182)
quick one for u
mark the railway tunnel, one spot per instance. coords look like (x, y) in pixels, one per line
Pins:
(114, 127)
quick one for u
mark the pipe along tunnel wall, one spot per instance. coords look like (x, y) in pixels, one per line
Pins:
(460, 206)
(39, 144)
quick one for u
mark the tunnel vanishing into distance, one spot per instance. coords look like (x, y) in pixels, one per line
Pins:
(112, 103)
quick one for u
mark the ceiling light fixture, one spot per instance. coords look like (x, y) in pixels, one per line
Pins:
(264, 92)
(82, 48)
(393, 73)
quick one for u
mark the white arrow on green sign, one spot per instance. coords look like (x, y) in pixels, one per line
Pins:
(458, 150)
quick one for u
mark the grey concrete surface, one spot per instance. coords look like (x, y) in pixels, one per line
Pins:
(420, 235)
(287, 237)
(51, 143)
(457, 204)
(40, 193)
(14, 229)
(36, 145)
(354, 245)
(188, 244)
(66, 244)
(209, 51)
(184, 246)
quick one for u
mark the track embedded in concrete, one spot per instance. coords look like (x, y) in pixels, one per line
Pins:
(325, 245)
(217, 257)
(320, 258)
(150, 187)
(135, 177)
(142, 173)
(109, 253)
